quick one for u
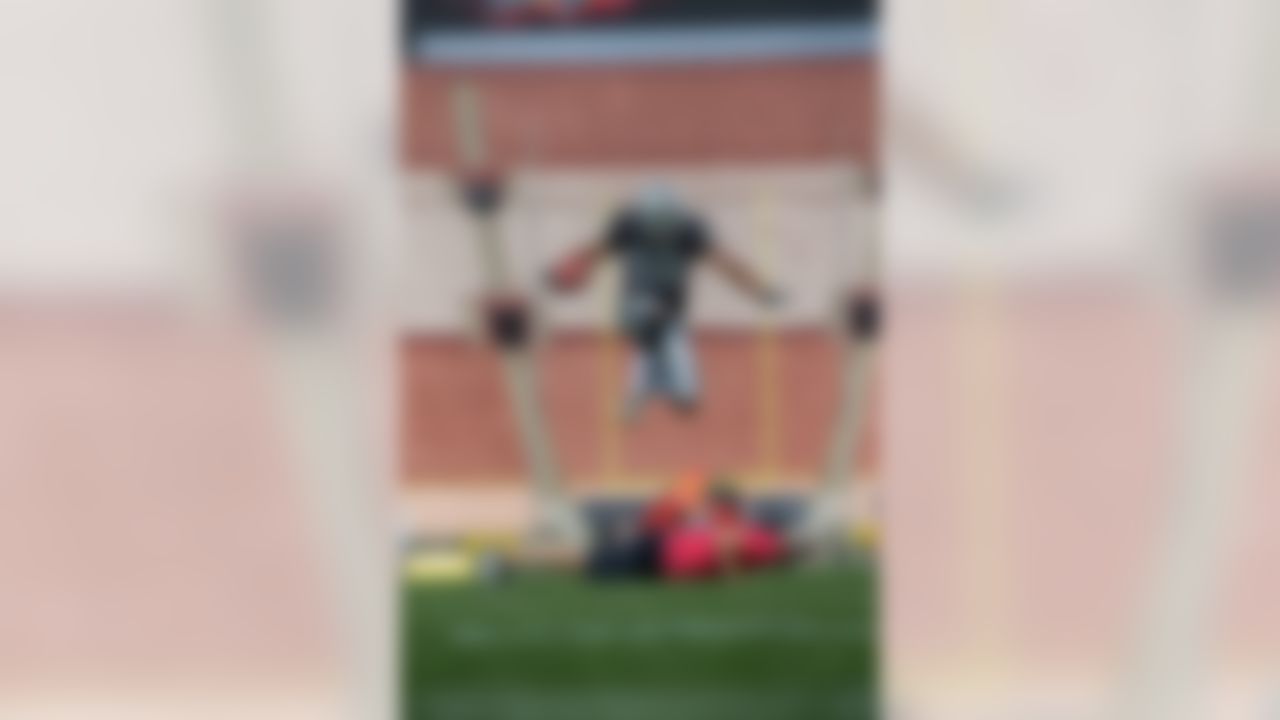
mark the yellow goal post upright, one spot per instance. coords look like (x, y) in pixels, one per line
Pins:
(769, 467)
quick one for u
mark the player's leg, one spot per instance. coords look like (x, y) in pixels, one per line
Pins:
(646, 372)
(680, 369)
(639, 320)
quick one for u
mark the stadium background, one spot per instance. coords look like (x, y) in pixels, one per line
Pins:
(771, 133)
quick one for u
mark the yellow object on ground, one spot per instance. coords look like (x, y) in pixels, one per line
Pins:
(491, 542)
(442, 567)
(866, 535)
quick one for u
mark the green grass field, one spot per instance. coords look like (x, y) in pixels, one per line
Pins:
(797, 645)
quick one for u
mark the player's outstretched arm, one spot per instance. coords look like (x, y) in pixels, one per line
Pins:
(744, 277)
(574, 270)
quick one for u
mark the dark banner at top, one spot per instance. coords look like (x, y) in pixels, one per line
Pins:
(424, 16)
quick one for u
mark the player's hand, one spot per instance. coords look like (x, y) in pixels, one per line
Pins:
(569, 276)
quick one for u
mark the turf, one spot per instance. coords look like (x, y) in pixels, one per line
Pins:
(798, 645)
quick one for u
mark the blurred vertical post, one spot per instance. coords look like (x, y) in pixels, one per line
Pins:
(982, 449)
(309, 223)
(557, 521)
(1230, 287)
(860, 320)
(1230, 353)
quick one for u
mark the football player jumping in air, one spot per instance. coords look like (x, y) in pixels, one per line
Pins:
(658, 240)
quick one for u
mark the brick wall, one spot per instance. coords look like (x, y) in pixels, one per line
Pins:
(457, 424)
(740, 112)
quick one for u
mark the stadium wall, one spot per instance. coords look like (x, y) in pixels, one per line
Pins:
(777, 154)
(619, 116)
